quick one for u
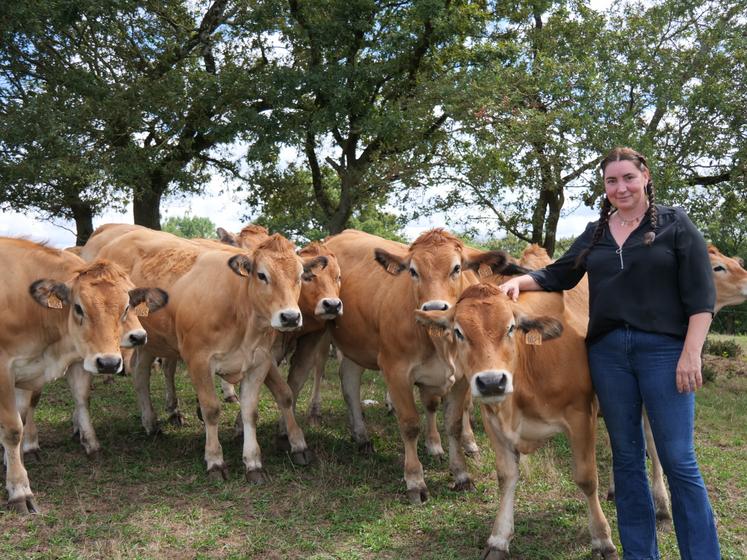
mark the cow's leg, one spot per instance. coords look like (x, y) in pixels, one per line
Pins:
(397, 380)
(659, 488)
(431, 400)
(293, 438)
(20, 498)
(249, 398)
(141, 380)
(455, 403)
(469, 444)
(169, 365)
(209, 406)
(312, 351)
(26, 402)
(507, 470)
(79, 381)
(350, 378)
(582, 436)
(229, 391)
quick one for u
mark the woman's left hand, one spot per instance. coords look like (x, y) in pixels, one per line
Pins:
(689, 376)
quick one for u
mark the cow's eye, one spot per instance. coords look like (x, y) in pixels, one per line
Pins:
(458, 333)
(457, 269)
(308, 276)
(78, 310)
(413, 273)
(263, 277)
(511, 330)
(719, 268)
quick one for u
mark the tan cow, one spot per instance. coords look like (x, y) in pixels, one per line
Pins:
(59, 311)
(225, 310)
(730, 278)
(527, 393)
(383, 283)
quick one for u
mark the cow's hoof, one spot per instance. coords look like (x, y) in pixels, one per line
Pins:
(218, 473)
(154, 429)
(32, 456)
(417, 496)
(471, 450)
(494, 554)
(610, 495)
(303, 457)
(257, 476)
(315, 420)
(662, 515)
(231, 399)
(177, 419)
(464, 486)
(24, 505)
(436, 453)
(93, 455)
(605, 554)
(282, 443)
(366, 448)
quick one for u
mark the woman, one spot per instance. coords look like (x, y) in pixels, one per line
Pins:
(651, 299)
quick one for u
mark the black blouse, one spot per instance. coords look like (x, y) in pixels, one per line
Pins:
(652, 288)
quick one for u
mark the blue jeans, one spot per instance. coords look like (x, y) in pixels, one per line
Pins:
(631, 368)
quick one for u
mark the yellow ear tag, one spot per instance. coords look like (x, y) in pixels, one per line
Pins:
(533, 337)
(392, 268)
(54, 302)
(433, 330)
(141, 309)
(484, 270)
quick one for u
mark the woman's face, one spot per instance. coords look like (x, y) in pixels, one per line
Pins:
(625, 185)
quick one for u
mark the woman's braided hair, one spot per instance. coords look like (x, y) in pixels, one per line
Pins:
(623, 154)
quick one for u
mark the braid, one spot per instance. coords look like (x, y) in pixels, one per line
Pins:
(604, 216)
(653, 216)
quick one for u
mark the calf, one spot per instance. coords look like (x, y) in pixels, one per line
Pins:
(528, 391)
(60, 311)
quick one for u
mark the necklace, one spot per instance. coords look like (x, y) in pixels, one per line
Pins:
(631, 221)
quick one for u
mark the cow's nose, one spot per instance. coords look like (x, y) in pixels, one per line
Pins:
(435, 305)
(332, 306)
(108, 364)
(491, 385)
(290, 318)
(138, 339)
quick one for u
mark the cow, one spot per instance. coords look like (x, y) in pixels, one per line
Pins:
(730, 279)
(383, 283)
(226, 308)
(525, 364)
(59, 311)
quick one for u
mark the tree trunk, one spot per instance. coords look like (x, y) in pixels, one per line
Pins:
(83, 215)
(555, 200)
(146, 207)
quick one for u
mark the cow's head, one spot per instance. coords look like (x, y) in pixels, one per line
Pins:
(480, 337)
(730, 278)
(274, 272)
(248, 238)
(436, 262)
(102, 306)
(320, 290)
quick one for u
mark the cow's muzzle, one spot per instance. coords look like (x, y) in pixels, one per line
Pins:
(287, 320)
(492, 386)
(104, 363)
(435, 305)
(329, 308)
(134, 338)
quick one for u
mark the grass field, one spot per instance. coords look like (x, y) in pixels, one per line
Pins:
(149, 497)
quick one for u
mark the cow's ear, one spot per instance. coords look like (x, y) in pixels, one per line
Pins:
(486, 263)
(547, 327)
(393, 264)
(227, 237)
(312, 265)
(740, 260)
(50, 293)
(145, 300)
(436, 319)
(241, 265)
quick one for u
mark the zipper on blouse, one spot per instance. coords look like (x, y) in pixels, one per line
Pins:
(619, 251)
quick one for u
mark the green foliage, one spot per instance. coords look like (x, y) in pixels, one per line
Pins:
(724, 348)
(190, 227)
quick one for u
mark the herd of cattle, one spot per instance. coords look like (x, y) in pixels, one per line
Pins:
(427, 315)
